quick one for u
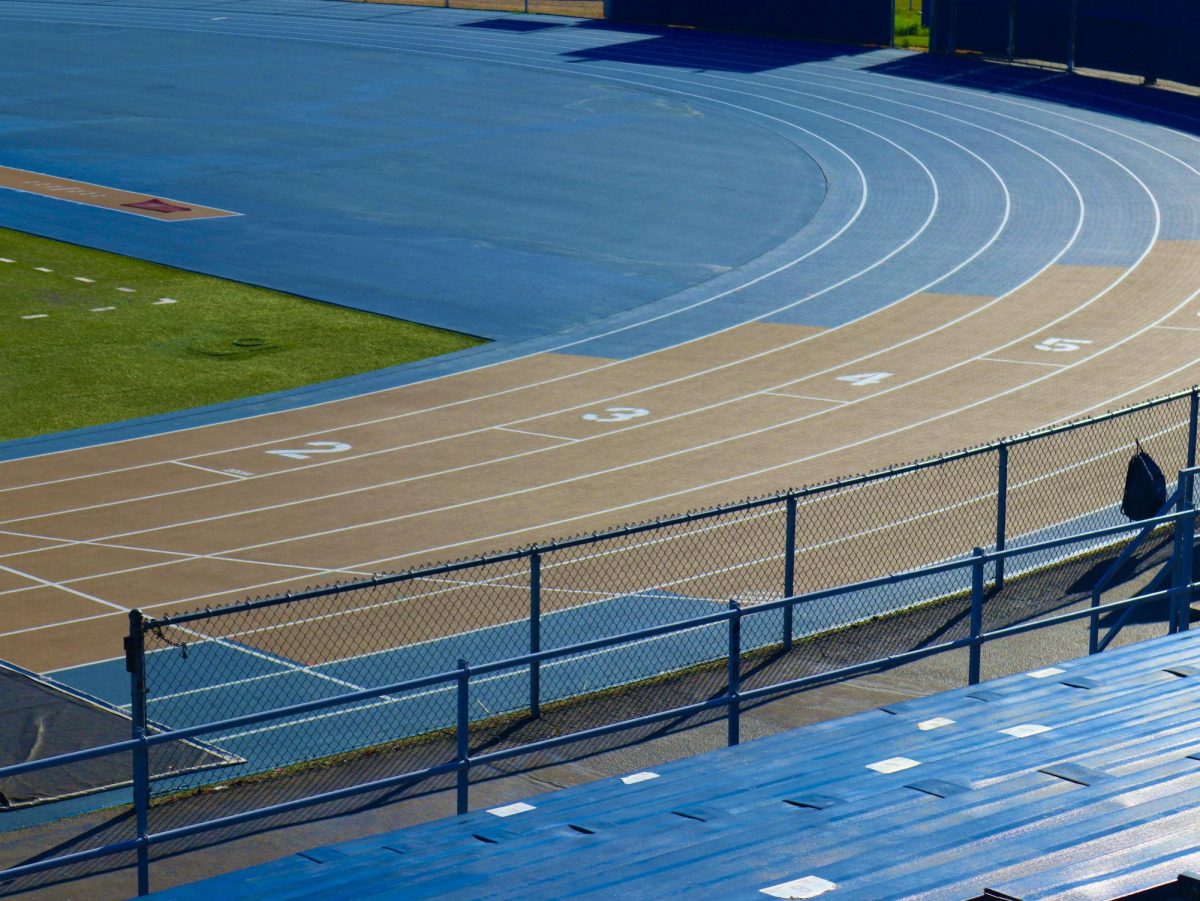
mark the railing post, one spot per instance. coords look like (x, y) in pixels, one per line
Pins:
(976, 615)
(789, 571)
(1072, 30)
(135, 665)
(1183, 551)
(1001, 511)
(735, 674)
(535, 634)
(1192, 417)
(463, 737)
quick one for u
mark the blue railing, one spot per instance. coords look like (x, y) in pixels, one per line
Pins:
(730, 700)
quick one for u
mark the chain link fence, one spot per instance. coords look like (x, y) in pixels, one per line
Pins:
(269, 653)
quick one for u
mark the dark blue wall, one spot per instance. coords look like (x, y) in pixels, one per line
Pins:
(1150, 38)
(848, 21)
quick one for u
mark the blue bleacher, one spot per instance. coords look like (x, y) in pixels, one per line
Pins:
(1081, 780)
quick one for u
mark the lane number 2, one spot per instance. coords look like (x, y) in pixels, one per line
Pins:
(866, 378)
(313, 447)
(1061, 345)
(616, 414)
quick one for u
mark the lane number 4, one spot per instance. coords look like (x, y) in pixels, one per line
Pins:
(311, 448)
(1061, 345)
(616, 414)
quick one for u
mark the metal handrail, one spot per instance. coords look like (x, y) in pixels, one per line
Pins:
(730, 700)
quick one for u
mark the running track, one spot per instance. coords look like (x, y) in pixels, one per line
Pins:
(969, 214)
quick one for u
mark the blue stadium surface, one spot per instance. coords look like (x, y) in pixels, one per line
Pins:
(1080, 780)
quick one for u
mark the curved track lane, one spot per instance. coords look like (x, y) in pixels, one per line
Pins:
(996, 251)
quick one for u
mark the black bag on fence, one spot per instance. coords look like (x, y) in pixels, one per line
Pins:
(1145, 487)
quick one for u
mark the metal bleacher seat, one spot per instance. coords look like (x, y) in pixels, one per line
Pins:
(1031, 786)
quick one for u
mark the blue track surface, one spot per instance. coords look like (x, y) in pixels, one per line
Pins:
(556, 184)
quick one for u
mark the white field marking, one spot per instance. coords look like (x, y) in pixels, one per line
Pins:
(41, 269)
(1181, 328)
(824, 400)
(218, 472)
(516, 672)
(46, 583)
(1078, 225)
(164, 300)
(37, 316)
(124, 290)
(102, 309)
(183, 557)
(1023, 362)
(1124, 275)
(504, 428)
(593, 337)
(674, 583)
(856, 126)
(86, 281)
(6, 260)
(912, 238)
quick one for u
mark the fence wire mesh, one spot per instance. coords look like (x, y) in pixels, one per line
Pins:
(268, 654)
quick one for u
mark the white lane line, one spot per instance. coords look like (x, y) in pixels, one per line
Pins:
(1012, 140)
(127, 290)
(164, 300)
(505, 428)
(1022, 362)
(37, 316)
(217, 472)
(86, 281)
(589, 338)
(775, 392)
(102, 309)
(41, 269)
(1180, 328)
(46, 583)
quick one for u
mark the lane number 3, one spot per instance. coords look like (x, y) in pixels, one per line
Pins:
(616, 414)
(313, 447)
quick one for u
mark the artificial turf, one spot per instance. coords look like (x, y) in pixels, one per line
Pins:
(75, 353)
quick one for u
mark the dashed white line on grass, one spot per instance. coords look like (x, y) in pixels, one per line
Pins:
(37, 316)
(86, 281)
(102, 309)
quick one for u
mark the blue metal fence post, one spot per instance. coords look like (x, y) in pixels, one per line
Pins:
(734, 726)
(1183, 551)
(463, 736)
(1193, 414)
(1001, 511)
(135, 664)
(535, 634)
(789, 571)
(976, 615)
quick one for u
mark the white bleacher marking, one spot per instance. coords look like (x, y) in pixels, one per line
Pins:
(509, 810)
(893, 765)
(936, 723)
(1025, 730)
(804, 887)
(635, 778)
(1045, 673)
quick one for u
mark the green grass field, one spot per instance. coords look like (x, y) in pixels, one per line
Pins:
(909, 32)
(89, 337)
